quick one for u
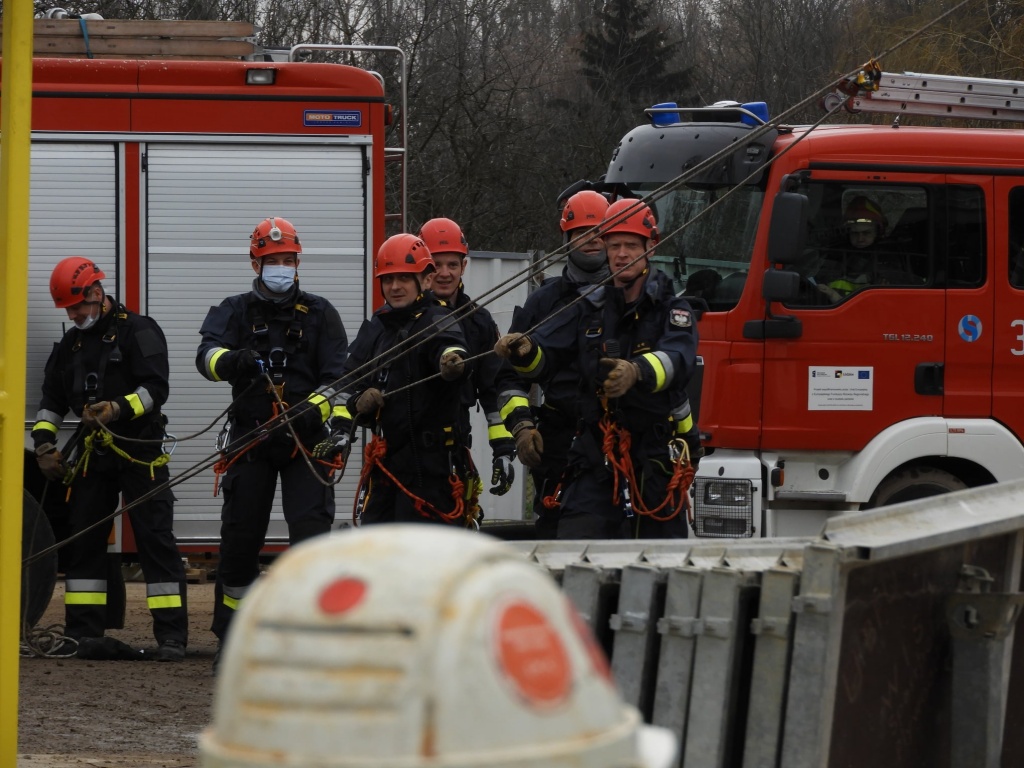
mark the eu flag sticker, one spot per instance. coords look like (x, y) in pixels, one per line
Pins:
(328, 118)
(863, 374)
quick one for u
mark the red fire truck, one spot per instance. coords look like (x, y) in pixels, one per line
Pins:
(836, 378)
(158, 170)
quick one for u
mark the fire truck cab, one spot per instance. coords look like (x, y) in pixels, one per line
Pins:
(838, 378)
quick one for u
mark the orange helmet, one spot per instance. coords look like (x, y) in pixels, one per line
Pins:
(273, 235)
(70, 279)
(583, 210)
(444, 236)
(402, 253)
(639, 221)
(865, 210)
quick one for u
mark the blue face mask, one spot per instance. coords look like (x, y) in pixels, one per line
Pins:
(278, 279)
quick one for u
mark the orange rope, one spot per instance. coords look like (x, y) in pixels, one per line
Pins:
(224, 464)
(616, 443)
(552, 501)
(373, 455)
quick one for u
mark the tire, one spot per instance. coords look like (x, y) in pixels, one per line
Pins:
(915, 483)
(39, 578)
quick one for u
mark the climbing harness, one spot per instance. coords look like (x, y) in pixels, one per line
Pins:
(373, 456)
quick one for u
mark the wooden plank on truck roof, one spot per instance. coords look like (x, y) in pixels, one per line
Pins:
(122, 28)
(127, 47)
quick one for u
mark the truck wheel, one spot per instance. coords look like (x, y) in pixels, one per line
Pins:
(39, 578)
(915, 483)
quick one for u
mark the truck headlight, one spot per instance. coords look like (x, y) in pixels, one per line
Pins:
(723, 508)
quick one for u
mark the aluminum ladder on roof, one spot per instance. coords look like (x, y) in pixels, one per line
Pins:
(913, 93)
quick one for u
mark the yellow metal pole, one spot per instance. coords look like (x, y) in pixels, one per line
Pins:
(15, 149)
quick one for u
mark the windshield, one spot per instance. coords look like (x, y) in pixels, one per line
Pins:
(711, 257)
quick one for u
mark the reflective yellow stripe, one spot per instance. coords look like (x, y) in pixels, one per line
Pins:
(449, 436)
(529, 367)
(85, 598)
(660, 378)
(46, 426)
(497, 432)
(322, 403)
(163, 601)
(138, 409)
(341, 412)
(231, 602)
(512, 404)
(684, 426)
(213, 363)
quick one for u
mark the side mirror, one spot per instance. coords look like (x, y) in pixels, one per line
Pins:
(780, 285)
(788, 233)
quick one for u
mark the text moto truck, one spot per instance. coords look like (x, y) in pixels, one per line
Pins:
(909, 385)
(158, 170)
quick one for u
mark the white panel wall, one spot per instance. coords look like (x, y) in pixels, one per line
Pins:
(202, 203)
(73, 212)
(487, 271)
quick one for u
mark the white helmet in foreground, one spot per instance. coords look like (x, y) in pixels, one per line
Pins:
(412, 646)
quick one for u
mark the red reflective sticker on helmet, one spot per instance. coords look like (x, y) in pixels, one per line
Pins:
(342, 595)
(531, 655)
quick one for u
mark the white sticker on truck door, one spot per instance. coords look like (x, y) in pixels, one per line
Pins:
(840, 389)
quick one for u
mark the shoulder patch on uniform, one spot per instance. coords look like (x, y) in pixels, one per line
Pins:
(680, 318)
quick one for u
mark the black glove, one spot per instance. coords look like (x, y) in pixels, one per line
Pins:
(503, 474)
(306, 417)
(335, 445)
(239, 364)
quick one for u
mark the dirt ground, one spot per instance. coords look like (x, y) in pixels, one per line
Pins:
(119, 714)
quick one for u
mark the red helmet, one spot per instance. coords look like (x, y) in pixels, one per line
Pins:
(70, 279)
(402, 253)
(865, 210)
(583, 210)
(639, 221)
(444, 236)
(273, 235)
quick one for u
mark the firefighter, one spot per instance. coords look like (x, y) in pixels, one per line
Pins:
(864, 225)
(111, 369)
(634, 343)
(403, 379)
(556, 417)
(282, 350)
(413, 648)
(490, 374)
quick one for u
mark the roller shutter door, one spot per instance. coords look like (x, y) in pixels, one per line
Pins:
(203, 201)
(73, 212)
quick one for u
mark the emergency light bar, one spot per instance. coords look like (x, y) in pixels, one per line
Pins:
(753, 113)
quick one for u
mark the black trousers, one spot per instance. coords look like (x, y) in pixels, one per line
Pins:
(249, 486)
(426, 472)
(589, 509)
(94, 495)
(556, 430)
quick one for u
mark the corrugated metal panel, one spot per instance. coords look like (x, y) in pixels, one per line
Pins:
(485, 272)
(202, 203)
(73, 213)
